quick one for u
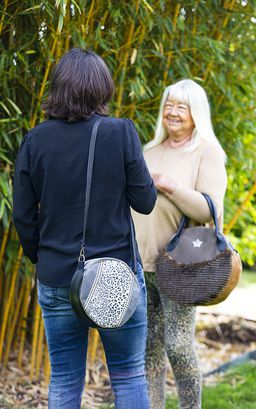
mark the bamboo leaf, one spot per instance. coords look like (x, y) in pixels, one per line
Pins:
(15, 107)
(32, 8)
(5, 108)
(148, 6)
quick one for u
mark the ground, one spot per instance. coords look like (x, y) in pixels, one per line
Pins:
(224, 332)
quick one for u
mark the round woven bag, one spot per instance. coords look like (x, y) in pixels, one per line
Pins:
(199, 265)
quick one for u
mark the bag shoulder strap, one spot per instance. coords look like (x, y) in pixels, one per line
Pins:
(89, 174)
(88, 194)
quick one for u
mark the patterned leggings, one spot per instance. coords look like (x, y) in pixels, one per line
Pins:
(171, 330)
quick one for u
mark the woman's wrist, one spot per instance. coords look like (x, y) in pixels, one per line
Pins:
(164, 183)
(171, 186)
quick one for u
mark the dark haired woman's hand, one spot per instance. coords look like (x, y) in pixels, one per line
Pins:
(164, 183)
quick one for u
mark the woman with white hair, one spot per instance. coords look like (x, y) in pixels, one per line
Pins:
(185, 159)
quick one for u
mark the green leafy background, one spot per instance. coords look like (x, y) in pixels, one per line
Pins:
(147, 45)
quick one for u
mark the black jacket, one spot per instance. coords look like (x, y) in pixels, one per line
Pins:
(49, 193)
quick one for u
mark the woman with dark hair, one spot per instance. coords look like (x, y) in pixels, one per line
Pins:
(49, 192)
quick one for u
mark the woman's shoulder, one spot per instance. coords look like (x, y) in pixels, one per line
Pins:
(211, 149)
(210, 146)
(31, 133)
(119, 122)
(122, 126)
(42, 127)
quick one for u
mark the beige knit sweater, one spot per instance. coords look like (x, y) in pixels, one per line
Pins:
(201, 170)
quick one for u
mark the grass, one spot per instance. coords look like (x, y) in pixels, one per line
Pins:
(236, 390)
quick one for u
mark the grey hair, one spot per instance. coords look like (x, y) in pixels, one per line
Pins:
(192, 94)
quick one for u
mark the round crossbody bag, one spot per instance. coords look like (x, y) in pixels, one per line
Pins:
(199, 265)
(104, 291)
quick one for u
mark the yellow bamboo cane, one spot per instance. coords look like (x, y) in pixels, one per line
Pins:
(11, 315)
(23, 321)
(47, 366)
(6, 291)
(10, 333)
(174, 26)
(45, 78)
(3, 244)
(2, 252)
(240, 209)
(8, 304)
(219, 36)
(36, 322)
(89, 15)
(93, 344)
(40, 343)
(3, 15)
(124, 64)
(66, 24)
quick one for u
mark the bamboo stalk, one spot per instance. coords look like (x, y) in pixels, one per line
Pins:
(66, 24)
(2, 252)
(11, 312)
(3, 244)
(194, 31)
(47, 366)
(94, 339)
(9, 300)
(6, 291)
(240, 209)
(3, 15)
(219, 36)
(86, 29)
(23, 322)
(45, 78)
(124, 65)
(40, 343)
(10, 332)
(36, 322)
(174, 26)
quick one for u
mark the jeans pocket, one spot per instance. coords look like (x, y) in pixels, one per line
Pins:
(52, 296)
(62, 294)
(47, 296)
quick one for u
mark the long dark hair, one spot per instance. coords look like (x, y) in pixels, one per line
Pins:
(81, 85)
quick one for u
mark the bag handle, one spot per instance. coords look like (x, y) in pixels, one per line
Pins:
(81, 257)
(221, 242)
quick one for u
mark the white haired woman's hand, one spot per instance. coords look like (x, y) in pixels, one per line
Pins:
(164, 183)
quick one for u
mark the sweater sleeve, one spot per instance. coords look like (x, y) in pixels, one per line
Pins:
(211, 179)
(25, 204)
(140, 190)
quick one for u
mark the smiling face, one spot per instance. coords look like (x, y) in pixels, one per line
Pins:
(177, 120)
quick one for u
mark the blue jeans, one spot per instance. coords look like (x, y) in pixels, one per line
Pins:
(67, 339)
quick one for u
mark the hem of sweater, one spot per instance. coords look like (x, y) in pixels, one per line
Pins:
(70, 273)
(47, 283)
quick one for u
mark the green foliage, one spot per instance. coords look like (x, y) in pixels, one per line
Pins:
(147, 46)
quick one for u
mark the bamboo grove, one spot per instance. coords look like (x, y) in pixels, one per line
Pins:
(147, 45)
